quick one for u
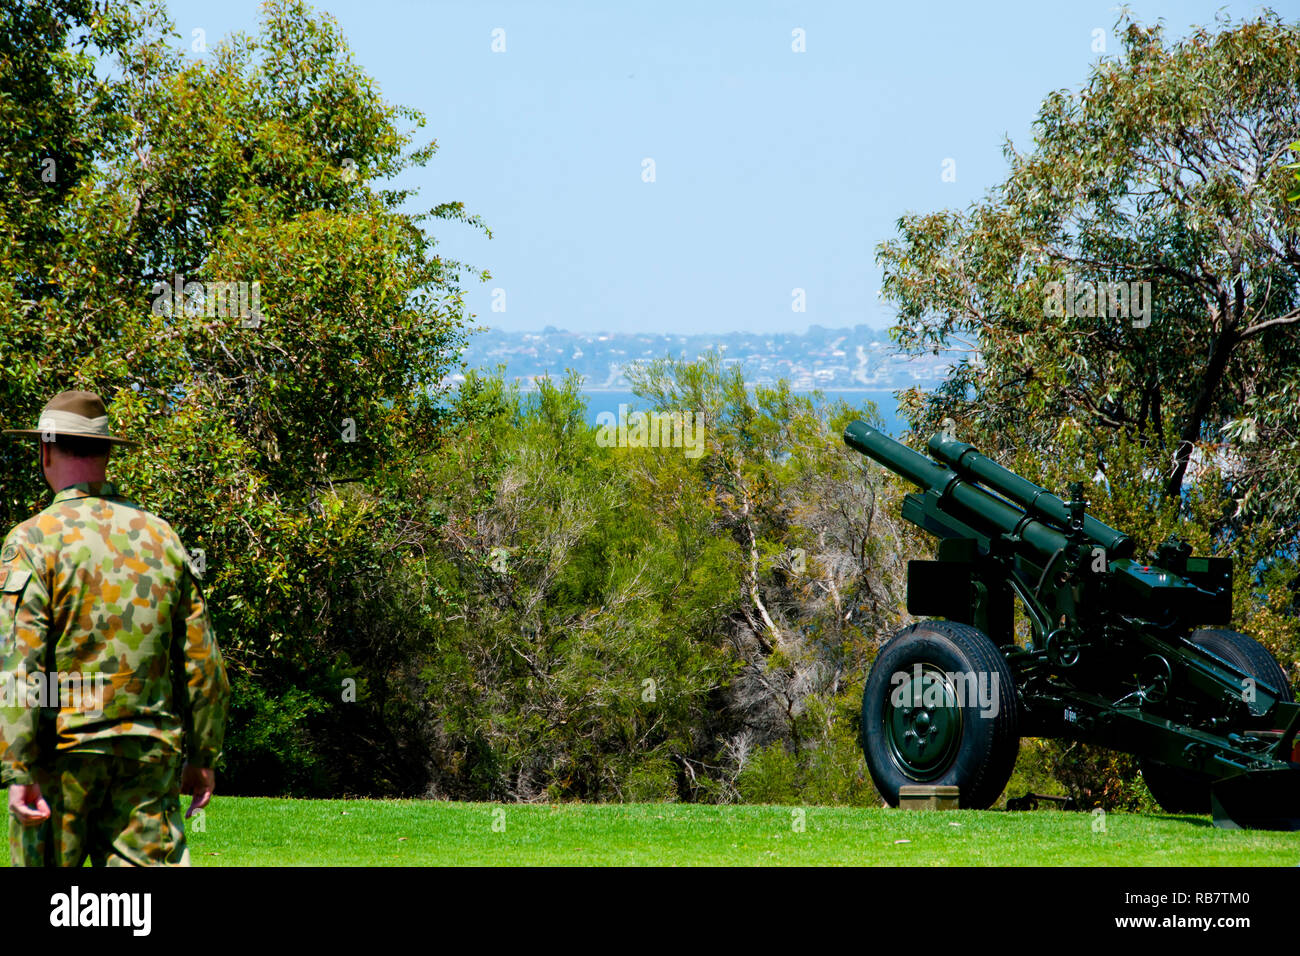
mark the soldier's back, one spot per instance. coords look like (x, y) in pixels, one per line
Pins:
(114, 577)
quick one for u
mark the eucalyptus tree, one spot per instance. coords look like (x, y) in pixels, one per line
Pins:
(1136, 277)
(206, 237)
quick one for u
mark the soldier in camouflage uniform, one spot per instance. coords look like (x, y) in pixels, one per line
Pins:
(114, 693)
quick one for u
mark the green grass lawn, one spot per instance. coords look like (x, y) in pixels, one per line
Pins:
(255, 831)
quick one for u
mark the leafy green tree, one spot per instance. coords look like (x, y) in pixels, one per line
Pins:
(1164, 169)
(208, 244)
(817, 563)
(587, 613)
(569, 646)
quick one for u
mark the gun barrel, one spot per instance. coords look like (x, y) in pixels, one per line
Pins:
(897, 457)
(962, 499)
(969, 463)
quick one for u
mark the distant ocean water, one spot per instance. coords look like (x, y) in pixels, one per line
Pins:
(608, 401)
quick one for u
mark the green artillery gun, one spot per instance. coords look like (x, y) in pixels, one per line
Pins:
(1128, 655)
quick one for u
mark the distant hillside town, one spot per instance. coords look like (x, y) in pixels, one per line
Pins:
(856, 358)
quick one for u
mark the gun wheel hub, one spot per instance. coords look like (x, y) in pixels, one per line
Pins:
(923, 720)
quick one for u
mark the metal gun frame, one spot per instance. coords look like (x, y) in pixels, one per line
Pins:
(1128, 655)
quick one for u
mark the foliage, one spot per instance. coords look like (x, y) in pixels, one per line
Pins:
(593, 631)
(135, 181)
(827, 770)
(1294, 195)
(1163, 169)
(269, 740)
(1096, 777)
(1033, 773)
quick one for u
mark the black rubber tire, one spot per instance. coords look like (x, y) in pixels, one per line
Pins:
(984, 750)
(1184, 791)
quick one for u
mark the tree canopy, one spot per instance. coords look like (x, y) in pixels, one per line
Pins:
(207, 242)
(1167, 168)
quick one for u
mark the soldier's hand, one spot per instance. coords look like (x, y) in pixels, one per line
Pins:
(27, 804)
(200, 782)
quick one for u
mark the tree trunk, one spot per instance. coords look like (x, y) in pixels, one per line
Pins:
(1201, 408)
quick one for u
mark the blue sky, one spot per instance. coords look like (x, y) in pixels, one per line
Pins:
(773, 169)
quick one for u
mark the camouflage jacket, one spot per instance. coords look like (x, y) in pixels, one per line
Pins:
(105, 641)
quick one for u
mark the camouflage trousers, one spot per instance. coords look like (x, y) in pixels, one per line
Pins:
(118, 812)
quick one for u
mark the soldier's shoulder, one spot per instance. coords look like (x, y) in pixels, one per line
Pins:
(164, 530)
(26, 536)
(126, 503)
(161, 524)
(23, 528)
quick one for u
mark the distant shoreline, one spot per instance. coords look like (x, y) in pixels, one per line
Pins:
(600, 401)
(826, 388)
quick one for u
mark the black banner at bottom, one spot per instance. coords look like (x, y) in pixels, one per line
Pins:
(140, 908)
